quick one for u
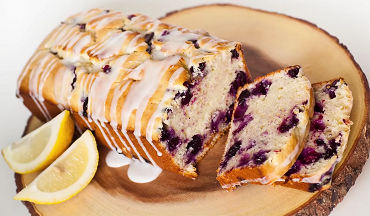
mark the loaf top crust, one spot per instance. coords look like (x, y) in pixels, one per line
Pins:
(116, 68)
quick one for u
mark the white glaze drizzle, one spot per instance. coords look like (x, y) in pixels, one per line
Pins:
(87, 123)
(141, 91)
(102, 23)
(61, 107)
(158, 112)
(82, 43)
(142, 172)
(138, 138)
(35, 74)
(132, 145)
(82, 17)
(25, 70)
(120, 138)
(133, 45)
(76, 44)
(175, 41)
(138, 172)
(70, 38)
(111, 45)
(43, 78)
(116, 95)
(100, 88)
(38, 89)
(48, 42)
(40, 108)
(66, 89)
(78, 128)
(112, 137)
(62, 36)
(103, 132)
(115, 160)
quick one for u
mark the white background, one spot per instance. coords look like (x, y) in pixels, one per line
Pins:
(23, 24)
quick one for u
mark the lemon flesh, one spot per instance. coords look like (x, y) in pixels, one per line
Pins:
(67, 176)
(38, 149)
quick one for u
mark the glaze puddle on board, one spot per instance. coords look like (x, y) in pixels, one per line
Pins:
(138, 172)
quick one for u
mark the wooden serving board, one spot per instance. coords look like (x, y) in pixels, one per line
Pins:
(271, 41)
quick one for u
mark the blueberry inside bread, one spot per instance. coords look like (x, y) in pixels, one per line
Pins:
(157, 92)
(327, 139)
(269, 124)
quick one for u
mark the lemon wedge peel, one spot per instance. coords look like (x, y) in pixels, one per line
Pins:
(22, 156)
(33, 193)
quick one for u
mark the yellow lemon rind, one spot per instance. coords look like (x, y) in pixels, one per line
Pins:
(32, 194)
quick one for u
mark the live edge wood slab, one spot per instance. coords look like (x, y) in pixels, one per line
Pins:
(271, 41)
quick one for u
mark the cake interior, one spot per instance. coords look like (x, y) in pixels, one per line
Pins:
(264, 117)
(204, 110)
(328, 134)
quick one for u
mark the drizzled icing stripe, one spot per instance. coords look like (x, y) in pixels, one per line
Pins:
(25, 70)
(87, 123)
(38, 90)
(97, 23)
(38, 104)
(81, 17)
(69, 38)
(116, 95)
(132, 145)
(120, 138)
(45, 110)
(36, 96)
(145, 150)
(61, 108)
(62, 36)
(58, 93)
(82, 43)
(103, 132)
(158, 113)
(132, 46)
(76, 44)
(78, 128)
(101, 86)
(43, 78)
(112, 137)
(140, 93)
(110, 46)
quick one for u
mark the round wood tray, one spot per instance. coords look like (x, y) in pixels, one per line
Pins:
(271, 41)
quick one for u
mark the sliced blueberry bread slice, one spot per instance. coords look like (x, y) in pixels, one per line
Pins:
(327, 139)
(269, 126)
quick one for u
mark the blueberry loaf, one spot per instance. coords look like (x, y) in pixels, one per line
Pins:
(269, 126)
(156, 92)
(327, 139)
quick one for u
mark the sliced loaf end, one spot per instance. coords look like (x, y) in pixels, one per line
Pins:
(327, 140)
(269, 124)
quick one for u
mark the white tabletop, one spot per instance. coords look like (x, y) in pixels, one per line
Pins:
(25, 23)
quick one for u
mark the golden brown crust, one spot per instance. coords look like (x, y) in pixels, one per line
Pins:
(239, 48)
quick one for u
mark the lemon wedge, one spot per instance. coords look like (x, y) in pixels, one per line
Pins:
(67, 176)
(38, 149)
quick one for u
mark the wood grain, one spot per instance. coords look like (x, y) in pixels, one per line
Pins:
(271, 41)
